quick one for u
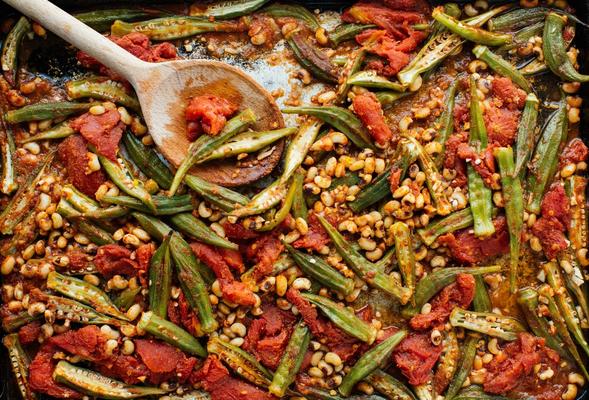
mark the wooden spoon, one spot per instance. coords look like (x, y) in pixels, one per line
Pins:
(164, 89)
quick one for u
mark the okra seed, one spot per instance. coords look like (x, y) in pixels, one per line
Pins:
(131, 240)
(438, 261)
(487, 358)
(141, 234)
(574, 115)
(546, 374)
(111, 345)
(315, 372)
(125, 116)
(239, 329)
(81, 239)
(238, 341)
(426, 309)
(582, 257)
(204, 211)
(493, 346)
(366, 388)
(109, 332)
(436, 337)
(535, 244)
(302, 226)
(56, 221)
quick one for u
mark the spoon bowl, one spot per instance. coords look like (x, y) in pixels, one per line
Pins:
(164, 89)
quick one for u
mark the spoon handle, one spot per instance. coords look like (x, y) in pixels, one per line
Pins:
(81, 36)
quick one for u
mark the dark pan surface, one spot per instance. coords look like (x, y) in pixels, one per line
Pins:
(8, 389)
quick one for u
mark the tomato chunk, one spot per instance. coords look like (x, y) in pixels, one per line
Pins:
(103, 131)
(235, 291)
(368, 109)
(113, 259)
(395, 23)
(72, 153)
(207, 114)
(458, 294)
(521, 355)
(575, 152)
(416, 356)
(467, 248)
(316, 237)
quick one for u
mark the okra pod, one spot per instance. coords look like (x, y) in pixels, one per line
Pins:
(473, 34)
(565, 304)
(517, 18)
(59, 131)
(248, 142)
(502, 67)
(514, 209)
(193, 395)
(575, 187)
(449, 359)
(106, 213)
(230, 9)
(544, 162)
(291, 361)
(126, 298)
(85, 293)
(390, 387)
(299, 207)
(11, 49)
(243, 363)
(491, 324)
(75, 311)
(42, 111)
(527, 298)
(370, 361)
(451, 223)
(371, 79)
(280, 214)
(164, 205)
(175, 27)
(192, 282)
(341, 119)
(122, 177)
(435, 281)
(102, 90)
(405, 254)
(160, 279)
(351, 67)
(8, 182)
(433, 179)
(479, 196)
(205, 145)
(311, 58)
(446, 121)
(19, 363)
(223, 198)
(299, 147)
(101, 20)
(170, 333)
(23, 201)
(293, 11)
(526, 134)
(156, 228)
(555, 52)
(322, 272)
(365, 270)
(13, 322)
(347, 32)
(345, 319)
(94, 384)
(263, 201)
(466, 360)
(387, 98)
(475, 392)
(481, 301)
(148, 160)
(522, 36)
(194, 227)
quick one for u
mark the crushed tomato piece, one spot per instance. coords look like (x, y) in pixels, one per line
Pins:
(316, 237)
(207, 114)
(233, 290)
(397, 24)
(135, 43)
(112, 259)
(550, 228)
(72, 153)
(416, 356)
(216, 380)
(41, 375)
(102, 131)
(575, 152)
(457, 294)
(522, 355)
(368, 109)
(264, 251)
(467, 248)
